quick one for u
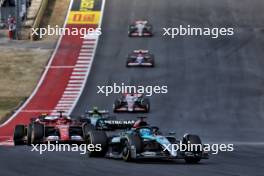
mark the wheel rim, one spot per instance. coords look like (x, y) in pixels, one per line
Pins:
(125, 152)
(89, 141)
(32, 137)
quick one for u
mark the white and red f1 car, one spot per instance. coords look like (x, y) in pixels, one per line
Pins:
(131, 103)
(140, 28)
(140, 58)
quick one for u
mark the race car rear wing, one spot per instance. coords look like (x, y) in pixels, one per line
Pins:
(142, 51)
(100, 111)
(105, 124)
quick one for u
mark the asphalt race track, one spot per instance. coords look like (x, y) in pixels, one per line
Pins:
(215, 88)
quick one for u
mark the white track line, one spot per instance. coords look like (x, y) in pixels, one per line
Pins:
(85, 54)
(78, 77)
(88, 42)
(74, 85)
(85, 50)
(80, 69)
(92, 57)
(75, 81)
(83, 62)
(82, 65)
(78, 73)
(84, 57)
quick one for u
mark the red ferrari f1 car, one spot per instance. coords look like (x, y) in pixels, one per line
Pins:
(49, 128)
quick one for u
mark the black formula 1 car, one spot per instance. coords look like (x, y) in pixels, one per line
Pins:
(49, 128)
(144, 141)
(140, 58)
(131, 103)
(102, 120)
(140, 28)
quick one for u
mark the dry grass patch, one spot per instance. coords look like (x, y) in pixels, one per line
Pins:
(19, 73)
(21, 67)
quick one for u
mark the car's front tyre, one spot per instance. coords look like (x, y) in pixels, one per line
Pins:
(193, 139)
(19, 134)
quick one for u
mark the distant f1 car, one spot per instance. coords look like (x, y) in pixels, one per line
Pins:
(140, 58)
(144, 141)
(140, 28)
(49, 128)
(131, 103)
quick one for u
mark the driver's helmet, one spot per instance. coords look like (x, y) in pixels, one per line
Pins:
(145, 132)
(43, 115)
(140, 54)
(62, 120)
(95, 110)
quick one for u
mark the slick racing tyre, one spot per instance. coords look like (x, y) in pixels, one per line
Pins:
(146, 104)
(149, 28)
(129, 60)
(97, 138)
(112, 118)
(126, 151)
(193, 139)
(152, 60)
(37, 133)
(19, 134)
(116, 105)
(131, 29)
(29, 134)
(87, 128)
(153, 63)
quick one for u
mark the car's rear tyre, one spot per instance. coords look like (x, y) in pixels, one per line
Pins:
(172, 140)
(129, 60)
(146, 104)
(83, 119)
(19, 134)
(112, 117)
(193, 139)
(37, 133)
(149, 27)
(97, 138)
(131, 29)
(29, 134)
(152, 61)
(116, 105)
(87, 128)
(127, 64)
